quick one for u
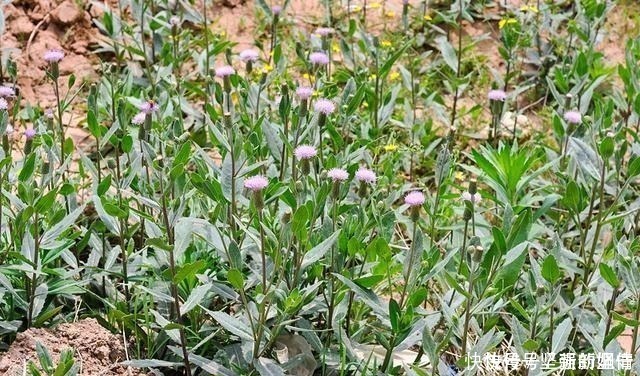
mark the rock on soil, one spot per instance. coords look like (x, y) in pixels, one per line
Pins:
(96, 350)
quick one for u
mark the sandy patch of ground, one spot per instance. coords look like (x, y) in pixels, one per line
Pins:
(96, 350)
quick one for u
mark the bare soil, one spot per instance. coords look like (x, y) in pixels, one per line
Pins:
(97, 351)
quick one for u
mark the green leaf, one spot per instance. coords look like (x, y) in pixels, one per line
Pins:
(606, 147)
(45, 202)
(189, 270)
(317, 252)
(609, 275)
(236, 279)
(127, 143)
(368, 297)
(613, 334)
(550, 269)
(626, 320)
(27, 168)
(195, 297)
(232, 324)
(531, 345)
(510, 271)
(394, 315)
(48, 240)
(43, 356)
(104, 185)
(561, 335)
(448, 53)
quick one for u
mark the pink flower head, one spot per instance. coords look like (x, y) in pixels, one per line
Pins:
(249, 55)
(365, 175)
(6, 91)
(9, 130)
(473, 198)
(415, 198)
(338, 174)
(53, 56)
(305, 152)
(497, 95)
(324, 31)
(225, 71)
(319, 58)
(48, 113)
(276, 10)
(405, 2)
(174, 21)
(573, 117)
(139, 118)
(304, 92)
(29, 133)
(149, 107)
(3, 104)
(324, 106)
(256, 183)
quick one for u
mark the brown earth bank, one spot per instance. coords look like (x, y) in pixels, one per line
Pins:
(96, 350)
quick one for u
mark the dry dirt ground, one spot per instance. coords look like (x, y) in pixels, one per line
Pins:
(97, 351)
(34, 26)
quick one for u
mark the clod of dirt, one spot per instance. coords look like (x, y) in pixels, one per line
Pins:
(66, 13)
(96, 350)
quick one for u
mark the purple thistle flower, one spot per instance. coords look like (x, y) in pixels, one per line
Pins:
(256, 183)
(324, 31)
(276, 10)
(473, 198)
(29, 133)
(248, 55)
(337, 174)
(415, 198)
(225, 71)
(48, 113)
(3, 104)
(365, 175)
(304, 92)
(572, 117)
(149, 107)
(497, 95)
(53, 56)
(319, 58)
(139, 118)
(305, 152)
(324, 106)
(6, 91)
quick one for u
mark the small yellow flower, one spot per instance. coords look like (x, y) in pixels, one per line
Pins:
(390, 14)
(390, 148)
(386, 43)
(506, 21)
(427, 18)
(375, 5)
(529, 8)
(373, 76)
(459, 176)
(335, 47)
(267, 68)
(355, 9)
(394, 76)
(306, 76)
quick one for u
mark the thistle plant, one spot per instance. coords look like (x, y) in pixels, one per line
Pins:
(319, 197)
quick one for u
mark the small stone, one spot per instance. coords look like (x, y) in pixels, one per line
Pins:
(66, 13)
(21, 26)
